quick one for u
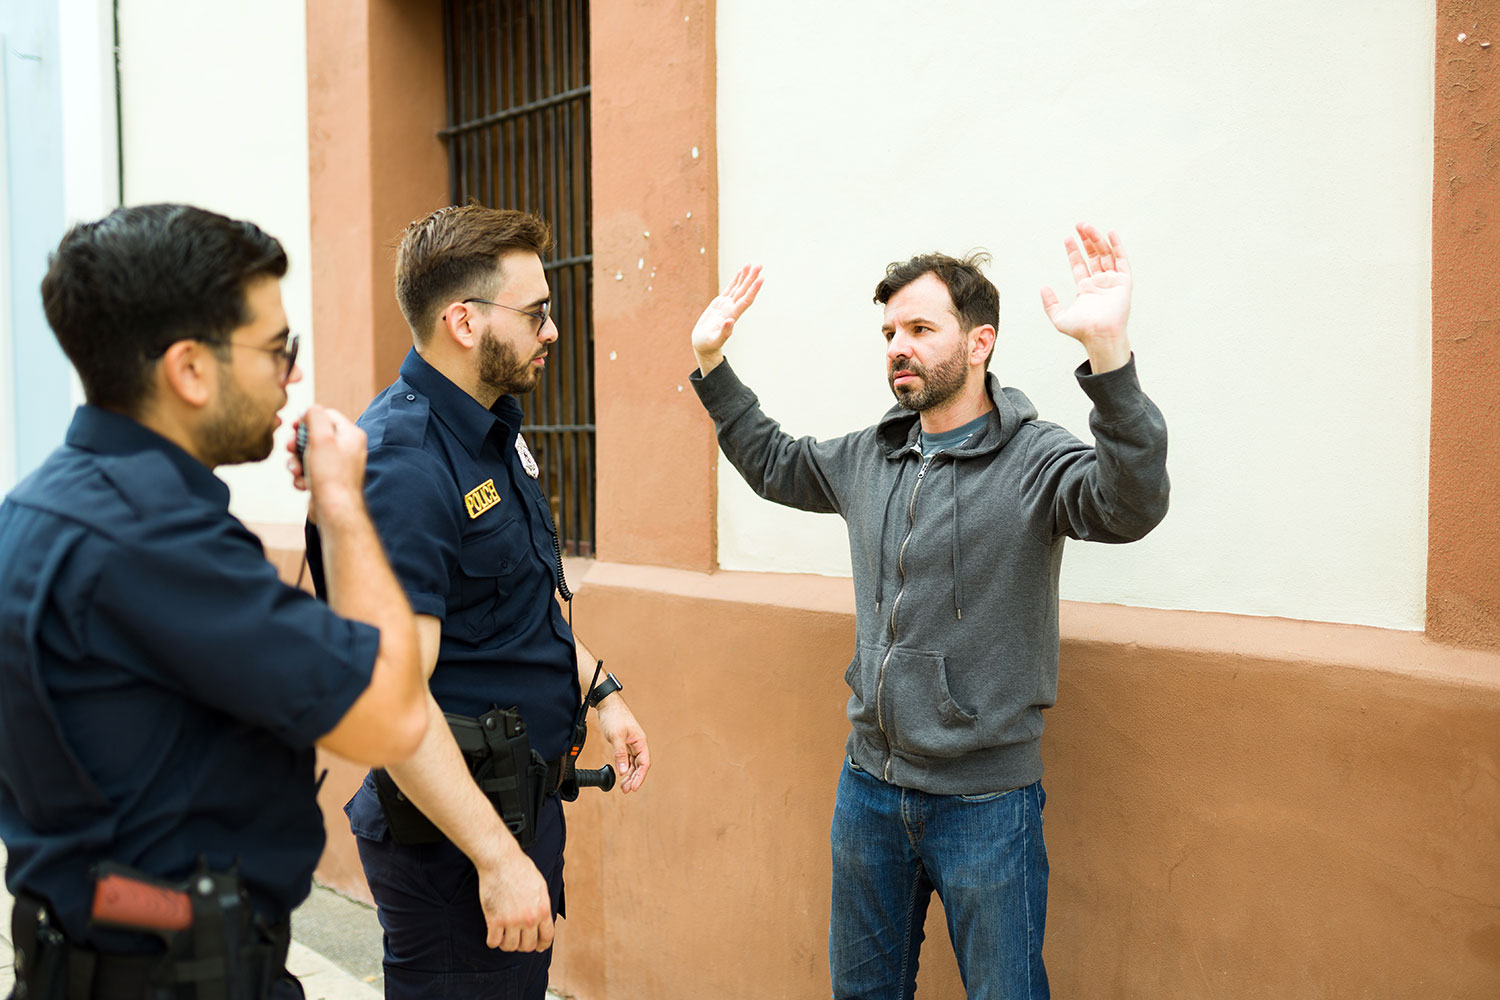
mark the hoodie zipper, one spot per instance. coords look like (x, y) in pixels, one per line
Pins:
(911, 525)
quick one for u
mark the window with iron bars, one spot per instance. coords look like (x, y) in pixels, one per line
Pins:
(518, 137)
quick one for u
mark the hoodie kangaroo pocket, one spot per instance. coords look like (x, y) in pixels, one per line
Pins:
(921, 716)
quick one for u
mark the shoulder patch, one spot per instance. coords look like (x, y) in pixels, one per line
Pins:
(481, 498)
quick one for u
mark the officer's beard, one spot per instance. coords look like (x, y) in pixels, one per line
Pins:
(235, 431)
(501, 368)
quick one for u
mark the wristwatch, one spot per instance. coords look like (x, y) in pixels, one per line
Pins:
(604, 689)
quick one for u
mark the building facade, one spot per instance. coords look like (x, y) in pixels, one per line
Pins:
(1271, 770)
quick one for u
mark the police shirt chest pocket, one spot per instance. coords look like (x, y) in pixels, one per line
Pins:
(488, 579)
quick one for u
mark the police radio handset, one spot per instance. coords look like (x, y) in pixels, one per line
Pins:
(302, 439)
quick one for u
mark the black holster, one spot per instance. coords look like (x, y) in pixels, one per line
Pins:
(227, 954)
(512, 776)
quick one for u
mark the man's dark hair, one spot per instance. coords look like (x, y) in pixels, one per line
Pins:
(454, 253)
(120, 291)
(976, 302)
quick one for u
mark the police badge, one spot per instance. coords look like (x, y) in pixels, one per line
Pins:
(527, 462)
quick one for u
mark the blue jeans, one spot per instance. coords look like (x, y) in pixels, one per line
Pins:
(983, 854)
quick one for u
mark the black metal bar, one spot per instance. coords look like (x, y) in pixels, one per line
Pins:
(519, 111)
(517, 134)
(448, 89)
(555, 265)
(472, 58)
(491, 12)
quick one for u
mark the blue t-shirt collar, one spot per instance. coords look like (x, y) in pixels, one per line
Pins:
(933, 443)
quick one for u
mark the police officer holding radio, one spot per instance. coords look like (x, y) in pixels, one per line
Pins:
(462, 844)
(161, 691)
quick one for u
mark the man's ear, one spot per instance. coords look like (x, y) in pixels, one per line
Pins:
(190, 371)
(981, 343)
(458, 325)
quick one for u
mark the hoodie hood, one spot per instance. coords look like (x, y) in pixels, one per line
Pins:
(897, 431)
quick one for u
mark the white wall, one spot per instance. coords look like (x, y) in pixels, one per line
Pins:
(1269, 166)
(91, 161)
(215, 114)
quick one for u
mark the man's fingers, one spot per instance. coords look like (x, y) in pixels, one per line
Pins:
(749, 297)
(1075, 261)
(641, 764)
(1049, 300)
(544, 934)
(1117, 248)
(1094, 248)
(742, 278)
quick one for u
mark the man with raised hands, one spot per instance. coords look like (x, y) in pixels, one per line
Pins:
(957, 504)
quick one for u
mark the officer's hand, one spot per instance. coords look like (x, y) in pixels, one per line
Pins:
(332, 468)
(628, 741)
(517, 906)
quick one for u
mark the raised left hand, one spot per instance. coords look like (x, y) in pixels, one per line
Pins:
(1097, 316)
(626, 738)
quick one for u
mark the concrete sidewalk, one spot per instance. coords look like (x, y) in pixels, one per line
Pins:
(336, 947)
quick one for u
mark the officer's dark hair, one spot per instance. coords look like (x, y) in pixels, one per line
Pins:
(454, 252)
(120, 291)
(976, 302)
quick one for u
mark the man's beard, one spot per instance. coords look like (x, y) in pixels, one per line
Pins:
(939, 384)
(502, 370)
(235, 432)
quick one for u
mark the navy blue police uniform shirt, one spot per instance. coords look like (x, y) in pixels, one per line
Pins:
(470, 536)
(160, 688)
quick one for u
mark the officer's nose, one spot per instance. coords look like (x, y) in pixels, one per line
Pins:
(548, 333)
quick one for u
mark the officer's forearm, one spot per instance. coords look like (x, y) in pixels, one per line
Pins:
(437, 781)
(387, 722)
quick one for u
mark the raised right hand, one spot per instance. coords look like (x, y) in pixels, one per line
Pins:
(717, 322)
(517, 906)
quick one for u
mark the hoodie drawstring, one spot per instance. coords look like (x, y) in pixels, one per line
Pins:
(880, 541)
(958, 562)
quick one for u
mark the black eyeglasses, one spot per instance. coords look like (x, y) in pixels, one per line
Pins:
(288, 354)
(541, 315)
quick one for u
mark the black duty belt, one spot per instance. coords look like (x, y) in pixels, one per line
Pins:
(51, 966)
(515, 779)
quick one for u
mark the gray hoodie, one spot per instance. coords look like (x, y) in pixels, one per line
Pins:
(956, 561)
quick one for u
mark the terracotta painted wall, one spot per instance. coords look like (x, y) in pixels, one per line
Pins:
(1463, 565)
(1237, 807)
(656, 263)
(375, 103)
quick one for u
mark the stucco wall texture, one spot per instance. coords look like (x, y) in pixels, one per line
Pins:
(1239, 806)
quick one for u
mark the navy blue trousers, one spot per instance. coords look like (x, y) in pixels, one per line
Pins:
(428, 900)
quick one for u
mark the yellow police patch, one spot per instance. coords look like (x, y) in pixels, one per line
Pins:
(481, 498)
